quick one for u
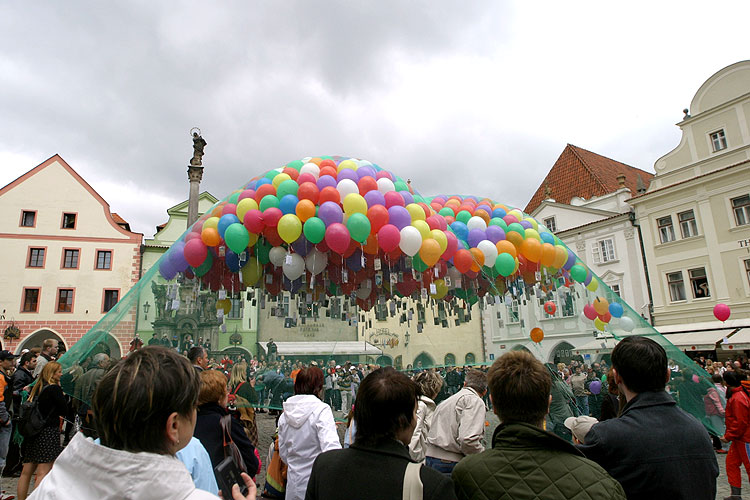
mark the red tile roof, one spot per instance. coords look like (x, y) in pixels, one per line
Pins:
(118, 219)
(578, 172)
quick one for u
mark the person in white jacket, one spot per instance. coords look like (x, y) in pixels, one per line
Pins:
(306, 429)
(429, 383)
(145, 413)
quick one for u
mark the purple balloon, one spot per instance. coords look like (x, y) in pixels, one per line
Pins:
(365, 171)
(475, 236)
(374, 197)
(302, 246)
(571, 261)
(291, 286)
(348, 173)
(330, 213)
(408, 198)
(399, 216)
(595, 387)
(495, 233)
(326, 181)
(526, 224)
(251, 184)
(354, 261)
(166, 269)
(588, 279)
(486, 208)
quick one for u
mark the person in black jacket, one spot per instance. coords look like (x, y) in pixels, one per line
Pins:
(22, 377)
(212, 402)
(374, 466)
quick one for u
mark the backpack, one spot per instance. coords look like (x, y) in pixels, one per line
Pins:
(232, 398)
(30, 420)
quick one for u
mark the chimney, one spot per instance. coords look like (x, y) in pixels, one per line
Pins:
(640, 186)
(621, 180)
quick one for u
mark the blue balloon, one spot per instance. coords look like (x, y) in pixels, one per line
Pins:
(262, 181)
(616, 310)
(232, 260)
(547, 238)
(166, 270)
(226, 221)
(354, 261)
(288, 204)
(460, 230)
(498, 212)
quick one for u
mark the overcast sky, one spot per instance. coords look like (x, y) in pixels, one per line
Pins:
(460, 96)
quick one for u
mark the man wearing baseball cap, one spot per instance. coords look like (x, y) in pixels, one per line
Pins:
(580, 426)
(6, 403)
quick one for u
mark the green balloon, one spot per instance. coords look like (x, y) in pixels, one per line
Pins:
(419, 199)
(578, 273)
(497, 221)
(400, 186)
(445, 212)
(418, 264)
(518, 228)
(314, 230)
(296, 164)
(505, 264)
(464, 216)
(359, 227)
(287, 187)
(206, 266)
(262, 248)
(491, 271)
(271, 174)
(234, 199)
(237, 237)
(269, 201)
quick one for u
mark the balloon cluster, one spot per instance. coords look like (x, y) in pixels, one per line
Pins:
(341, 226)
(601, 312)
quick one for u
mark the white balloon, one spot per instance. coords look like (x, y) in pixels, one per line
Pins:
(489, 250)
(411, 241)
(347, 186)
(476, 223)
(627, 324)
(316, 261)
(310, 168)
(294, 267)
(277, 255)
(385, 185)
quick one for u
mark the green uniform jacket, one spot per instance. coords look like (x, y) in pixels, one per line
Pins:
(527, 463)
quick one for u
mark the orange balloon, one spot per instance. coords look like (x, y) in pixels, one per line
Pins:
(305, 209)
(478, 259)
(514, 238)
(561, 257)
(484, 215)
(216, 212)
(601, 305)
(371, 245)
(210, 236)
(537, 334)
(430, 252)
(505, 246)
(531, 249)
(548, 254)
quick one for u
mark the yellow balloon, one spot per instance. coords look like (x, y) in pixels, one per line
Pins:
(416, 212)
(289, 228)
(592, 286)
(211, 222)
(347, 164)
(532, 233)
(533, 223)
(252, 271)
(441, 238)
(225, 304)
(253, 239)
(355, 204)
(599, 324)
(423, 228)
(244, 206)
(279, 179)
(440, 289)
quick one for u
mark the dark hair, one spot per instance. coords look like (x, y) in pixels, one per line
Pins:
(194, 353)
(520, 386)
(309, 381)
(477, 380)
(134, 399)
(385, 405)
(716, 378)
(26, 357)
(734, 378)
(642, 364)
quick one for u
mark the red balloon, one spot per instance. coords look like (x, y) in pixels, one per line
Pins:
(272, 235)
(605, 318)
(328, 170)
(450, 251)
(327, 163)
(463, 260)
(322, 246)
(337, 237)
(329, 193)
(388, 237)
(589, 312)
(195, 252)
(271, 216)
(353, 246)
(229, 208)
(378, 217)
(254, 221)
(394, 254)
(247, 193)
(436, 206)
(392, 198)
(550, 307)
(722, 312)
(264, 190)
(308, 191)
(291, 172)
(367, 184)
(433, 222)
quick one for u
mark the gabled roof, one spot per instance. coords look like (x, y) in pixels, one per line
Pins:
(579, 172)
(120, 221)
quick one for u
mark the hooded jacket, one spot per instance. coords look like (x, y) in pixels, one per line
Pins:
(737, 415)
(89, 471)
(306, 429)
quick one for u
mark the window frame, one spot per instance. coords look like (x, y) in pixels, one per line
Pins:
(744, 209)
(597, 251)
(675, 282)
(23, 299)
(746, 263)
(552, 227)
(28, 257)
(62, 259)
(721, 138)
(687, 221)
(237, 305)
(75, 222)
(72, 301)
(104, 299)
(660, 227)
(514, 306)
(694, 279)
(96, 259)
(23, 213)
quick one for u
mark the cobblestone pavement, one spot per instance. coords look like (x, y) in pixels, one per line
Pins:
(267, 427)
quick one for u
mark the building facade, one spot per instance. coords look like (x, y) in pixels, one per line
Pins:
(68, 259)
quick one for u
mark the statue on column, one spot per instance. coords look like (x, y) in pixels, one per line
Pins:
(198, 144)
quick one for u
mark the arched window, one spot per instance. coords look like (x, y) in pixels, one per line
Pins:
(450, 359)
(470, 360)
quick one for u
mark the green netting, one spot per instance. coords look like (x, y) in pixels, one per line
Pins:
(315, 268)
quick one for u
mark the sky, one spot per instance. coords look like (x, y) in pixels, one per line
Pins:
(461, 97)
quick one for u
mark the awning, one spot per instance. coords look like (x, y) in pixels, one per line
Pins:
(315, 348)
(597, 346)
(738, 341)
(730, 324)
(698, 341)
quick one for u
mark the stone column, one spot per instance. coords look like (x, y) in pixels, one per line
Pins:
(195, 175)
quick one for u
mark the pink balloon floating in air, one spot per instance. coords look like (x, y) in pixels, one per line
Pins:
(722, 312)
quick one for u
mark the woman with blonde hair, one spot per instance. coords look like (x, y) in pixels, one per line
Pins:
(40, 451)
(429, 383)
(243, 399)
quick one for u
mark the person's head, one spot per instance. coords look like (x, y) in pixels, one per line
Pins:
(309, 381)
(520, 388)
(612, 383)
(239, 374)
(716, 378)
(477, 380)
(640, 364)
(386, 407)
(101, 360)
(580, 426)
(49, 347)
(429, 383)
(28, 360)
(198, 356)
(213, 388)
(734, 378)
(7, 360)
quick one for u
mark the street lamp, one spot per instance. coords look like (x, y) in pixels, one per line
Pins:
(406, 339)
(146, 307)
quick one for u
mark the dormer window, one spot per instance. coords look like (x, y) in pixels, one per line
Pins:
(718, 140)
(551, 223)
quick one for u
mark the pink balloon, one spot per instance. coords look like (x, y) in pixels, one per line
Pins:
(229, 208)
(247, 193)
(198, 226)
(192, 236)
(271, 216)
(383, 174)
(195, 252)
(510, 219)
(337, 238)
(722, 312)
(393, 198)
(306, 177)
(589, 312)
(254, 221)
(452, 247)
(389, 237)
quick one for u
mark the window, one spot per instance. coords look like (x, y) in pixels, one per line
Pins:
(604, 251)
(236, 311)
(718, 140)
(28, 218)
(449, 360)
(65, 300)
(30, 300)
(110, 299)
(676, 286)
(469, 358)
(513, 316)
(615, 287)
(699, 283)
(69, 221)
(381, 311)
(36, 257)
(741, 208)
(550, 223)
(70, 258)
(104, 259)
(747, 270)
(688, 227)
(666, 230)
